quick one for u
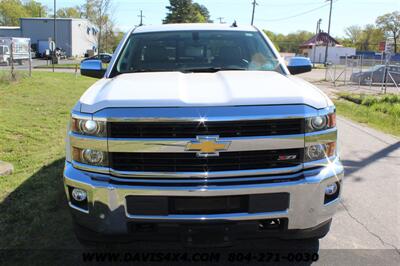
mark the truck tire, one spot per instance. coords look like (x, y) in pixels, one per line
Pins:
(20, 62)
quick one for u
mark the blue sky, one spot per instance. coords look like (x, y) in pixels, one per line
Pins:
(281, 16)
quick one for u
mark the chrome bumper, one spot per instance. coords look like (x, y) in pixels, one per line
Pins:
(107, 205)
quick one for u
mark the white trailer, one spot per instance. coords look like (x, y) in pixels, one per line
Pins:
(15, 49)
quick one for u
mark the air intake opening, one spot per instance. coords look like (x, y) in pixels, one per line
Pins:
(276, 224)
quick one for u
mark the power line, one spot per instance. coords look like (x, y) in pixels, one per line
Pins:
(297, 15)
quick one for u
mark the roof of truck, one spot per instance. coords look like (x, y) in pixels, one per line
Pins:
(193, 26)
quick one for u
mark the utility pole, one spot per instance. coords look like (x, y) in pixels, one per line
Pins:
(221, 20)
(316, 35)
(54, 34)
(329, 32)
(254, 10)
(141, 18)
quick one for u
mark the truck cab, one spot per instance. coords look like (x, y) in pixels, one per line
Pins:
(199, 133)
(4, 54)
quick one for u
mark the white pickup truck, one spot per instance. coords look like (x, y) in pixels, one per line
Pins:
(200, 133)
(20, 51)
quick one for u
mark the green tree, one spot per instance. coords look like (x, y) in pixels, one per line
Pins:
(99, 12)
(35, 9)
(370, 38)
(69, 12)
(390, 23)
(185, 11)
(289, 43)
(353, 34)
(11, 11)
(203, 11)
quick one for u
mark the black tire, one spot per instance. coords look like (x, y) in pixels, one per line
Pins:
(366, 81)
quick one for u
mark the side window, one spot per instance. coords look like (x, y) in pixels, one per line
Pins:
(122, 65)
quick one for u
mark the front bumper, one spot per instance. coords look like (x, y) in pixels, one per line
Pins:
(107, 212)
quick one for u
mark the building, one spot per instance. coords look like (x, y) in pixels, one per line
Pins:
(74, 35)
(315, 49)
(10, 31)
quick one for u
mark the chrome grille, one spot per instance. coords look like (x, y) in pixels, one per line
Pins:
(192, 129)
(189, 162)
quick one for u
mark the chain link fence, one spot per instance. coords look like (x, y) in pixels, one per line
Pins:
(368, 74)
(15, 57)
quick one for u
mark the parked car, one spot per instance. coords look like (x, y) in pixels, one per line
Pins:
(104, 57)
(376, 74)
(200, 133)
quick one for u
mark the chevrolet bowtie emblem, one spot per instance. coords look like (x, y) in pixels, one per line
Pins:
(207, 146)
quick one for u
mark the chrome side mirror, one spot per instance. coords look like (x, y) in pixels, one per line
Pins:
(298, 65)
(92, 68)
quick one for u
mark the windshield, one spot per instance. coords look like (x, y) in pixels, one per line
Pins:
(196, 51)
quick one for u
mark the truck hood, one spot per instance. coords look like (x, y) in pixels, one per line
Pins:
(223, 88)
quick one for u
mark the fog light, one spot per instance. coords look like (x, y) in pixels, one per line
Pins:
(79, 194)
(331, 189)
(315, 152)
(92, 156)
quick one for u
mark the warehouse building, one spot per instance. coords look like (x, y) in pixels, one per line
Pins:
(74, 35)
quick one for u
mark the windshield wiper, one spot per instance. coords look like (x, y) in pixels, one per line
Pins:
(148, 70)
(211, 69)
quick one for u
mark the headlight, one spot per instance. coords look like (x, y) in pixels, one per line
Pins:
(319, 151)
(91, 157)
(319, 123)
(89, 127)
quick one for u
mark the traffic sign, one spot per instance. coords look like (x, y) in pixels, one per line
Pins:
(382, 46)
(389, 47)
(52, 46)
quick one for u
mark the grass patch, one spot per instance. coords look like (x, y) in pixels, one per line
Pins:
(380, 112)
(6, 79)
(33, 117)
(387, 104)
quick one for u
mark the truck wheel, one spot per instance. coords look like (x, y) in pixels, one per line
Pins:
(366, 81)
(20, 62)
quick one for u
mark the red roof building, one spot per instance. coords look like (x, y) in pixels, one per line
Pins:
(321, 39)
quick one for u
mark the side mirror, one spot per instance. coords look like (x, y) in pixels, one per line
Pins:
(92, 68)
(298, 65)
